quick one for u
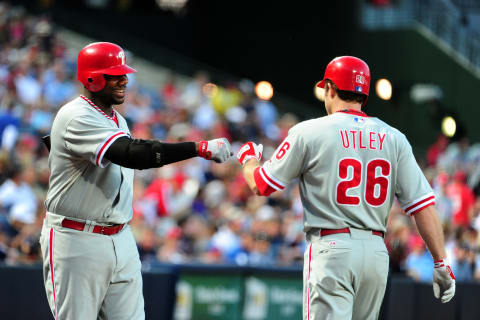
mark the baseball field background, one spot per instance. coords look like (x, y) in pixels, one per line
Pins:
(211, 250)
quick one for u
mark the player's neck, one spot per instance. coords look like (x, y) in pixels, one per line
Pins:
(346, 106)
(105, 107)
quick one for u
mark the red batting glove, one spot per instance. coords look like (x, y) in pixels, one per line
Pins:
(218, 150)
(248, 151)
(443, 281)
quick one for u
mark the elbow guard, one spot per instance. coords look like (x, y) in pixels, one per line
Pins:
(145, 154)
(135, 153)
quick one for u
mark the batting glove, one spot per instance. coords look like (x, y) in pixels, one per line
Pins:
(443, 281)
(218, 150)
(248, 151)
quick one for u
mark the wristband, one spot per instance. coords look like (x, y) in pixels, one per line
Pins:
(439, 263)
(203, 150)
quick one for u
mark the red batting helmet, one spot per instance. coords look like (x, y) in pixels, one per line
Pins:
(349, 74)
(97, 59)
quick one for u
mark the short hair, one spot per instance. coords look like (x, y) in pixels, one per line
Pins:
(347, 95)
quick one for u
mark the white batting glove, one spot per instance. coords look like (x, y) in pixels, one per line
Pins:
(218, 150)
(443, 281)
(248, 151)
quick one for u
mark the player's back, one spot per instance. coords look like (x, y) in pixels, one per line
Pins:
(350, 172)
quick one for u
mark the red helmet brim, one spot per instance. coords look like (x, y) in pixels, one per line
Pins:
(116, 70)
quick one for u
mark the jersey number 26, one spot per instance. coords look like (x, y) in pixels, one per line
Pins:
(376, 181)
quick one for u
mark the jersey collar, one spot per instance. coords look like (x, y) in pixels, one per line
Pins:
(90, 102)
(354, 112)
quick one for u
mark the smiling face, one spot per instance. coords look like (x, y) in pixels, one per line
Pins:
(114, 91)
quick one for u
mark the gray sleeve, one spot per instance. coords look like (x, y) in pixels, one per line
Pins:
(412, 188)
(287, 161)
(88, 137)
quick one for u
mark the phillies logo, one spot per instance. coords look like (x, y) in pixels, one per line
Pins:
(360, 78)
(121, 55)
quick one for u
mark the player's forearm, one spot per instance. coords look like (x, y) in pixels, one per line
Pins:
(145, 154)
(248, 174)
(431, 231)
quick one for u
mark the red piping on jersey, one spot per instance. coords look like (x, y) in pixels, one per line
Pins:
(104, 145)
(52, 273)
(354, 112)
(263, 187)
(421, 208)
(90, 102)
(270, 180)
(418, 203)
(308, 282)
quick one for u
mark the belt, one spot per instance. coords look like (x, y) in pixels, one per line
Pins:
(80, 226)
(326, 232)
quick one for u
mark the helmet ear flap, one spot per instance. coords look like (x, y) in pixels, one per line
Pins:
(95, 82)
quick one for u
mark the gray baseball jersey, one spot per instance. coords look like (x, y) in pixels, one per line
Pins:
(88, 193)
(80, 136)
(350, 168)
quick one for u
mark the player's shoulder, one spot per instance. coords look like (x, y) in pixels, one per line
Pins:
(302, 129)
(388, 127)
(307, 125)
(311, 130)
(75, 109)
(397, 135)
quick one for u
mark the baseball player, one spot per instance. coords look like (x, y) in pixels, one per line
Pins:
(350, 168)
(90, 260)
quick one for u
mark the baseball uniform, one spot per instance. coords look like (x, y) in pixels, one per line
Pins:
(91, 262)
(350, 168)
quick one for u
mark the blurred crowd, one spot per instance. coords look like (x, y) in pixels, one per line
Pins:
(196, 211)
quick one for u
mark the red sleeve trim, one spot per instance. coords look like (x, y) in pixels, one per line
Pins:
(421, 208)
(274, 183)
(263, 187)
(418, 203)
(106, 144)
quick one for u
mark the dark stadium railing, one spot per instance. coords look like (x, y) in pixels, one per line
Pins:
(232, 292)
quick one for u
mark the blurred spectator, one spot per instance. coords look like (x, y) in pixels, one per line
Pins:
(170, 249)
(171, 194)
(462, 264)
(443, 202)
(9, 128)
(196, 211)
(193, 94)
(170, 93)
(267, 117)
(463, 200)
(436, 150)
(419, 263)
(58, 85)
(138, 107)
(397, 244)
(18, 204)
(455, 157)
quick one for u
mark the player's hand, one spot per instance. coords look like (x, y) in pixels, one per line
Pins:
(443, 281)
(248, 151)
(218, 150)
